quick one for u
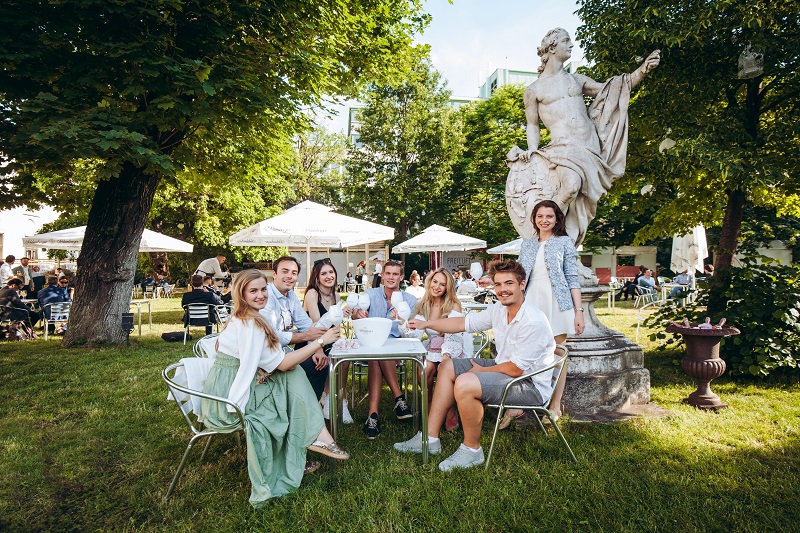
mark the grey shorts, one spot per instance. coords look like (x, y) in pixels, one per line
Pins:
(494, 383)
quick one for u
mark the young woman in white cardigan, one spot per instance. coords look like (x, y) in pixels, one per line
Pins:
(282, 416)
(551, 263)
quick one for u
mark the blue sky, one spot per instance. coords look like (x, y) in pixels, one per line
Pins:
(469, 39)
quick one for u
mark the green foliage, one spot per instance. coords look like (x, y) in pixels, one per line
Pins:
(317, 172)
(400, 172)
(127, 83)
(491, 128)
(764, 303)
(731, 133)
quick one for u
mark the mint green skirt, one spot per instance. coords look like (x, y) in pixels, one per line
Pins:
(282, 418)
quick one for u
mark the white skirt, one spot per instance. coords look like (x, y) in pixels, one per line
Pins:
(539, 292)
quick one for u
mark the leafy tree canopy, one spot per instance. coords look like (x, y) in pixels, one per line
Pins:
(410, 137)
(732, 133)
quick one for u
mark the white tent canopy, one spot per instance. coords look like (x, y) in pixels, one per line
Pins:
(72, 239)
(509, 248)
(689, 251)
(311, 225)
(438, 239)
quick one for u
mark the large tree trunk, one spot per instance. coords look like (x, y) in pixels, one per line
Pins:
(723, 258)
(107, 262)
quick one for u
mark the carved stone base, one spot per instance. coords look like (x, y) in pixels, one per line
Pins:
(605, 369)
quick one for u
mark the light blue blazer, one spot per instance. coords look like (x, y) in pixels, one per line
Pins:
(560, 258)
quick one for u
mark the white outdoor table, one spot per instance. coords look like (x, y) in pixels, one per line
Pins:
(392, 349)
(138, 304)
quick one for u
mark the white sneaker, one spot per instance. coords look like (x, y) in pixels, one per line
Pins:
(346, 417)
(414, 445)
(463, 458)
(325, 401)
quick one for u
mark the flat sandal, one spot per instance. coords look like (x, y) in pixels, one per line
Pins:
(331, 450)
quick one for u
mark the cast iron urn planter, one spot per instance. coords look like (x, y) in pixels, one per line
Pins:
(702, 361)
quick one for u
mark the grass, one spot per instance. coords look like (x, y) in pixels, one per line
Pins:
(89, 442)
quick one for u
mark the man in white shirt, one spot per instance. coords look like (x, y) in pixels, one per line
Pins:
(285, 312)
(23, 272)
(5, 270)
(524, 344)
(211, 267)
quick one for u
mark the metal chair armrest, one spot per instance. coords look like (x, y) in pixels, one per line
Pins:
(529, 375)
(171, 384)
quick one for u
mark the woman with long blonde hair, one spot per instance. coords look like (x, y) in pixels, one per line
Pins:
(282, 417)
(440, 301)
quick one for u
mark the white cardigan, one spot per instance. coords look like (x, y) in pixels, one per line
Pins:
(248, 343)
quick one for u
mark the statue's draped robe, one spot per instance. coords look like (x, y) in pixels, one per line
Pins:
(529, 183)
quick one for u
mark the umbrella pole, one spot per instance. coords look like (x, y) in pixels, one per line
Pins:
(308, 260)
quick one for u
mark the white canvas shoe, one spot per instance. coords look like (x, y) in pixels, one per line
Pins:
(463, 458)
(346, 417)
(325, 401)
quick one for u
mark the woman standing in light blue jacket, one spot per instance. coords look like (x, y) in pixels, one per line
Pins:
(551, 263)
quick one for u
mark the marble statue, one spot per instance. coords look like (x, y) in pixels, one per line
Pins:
(587, 150)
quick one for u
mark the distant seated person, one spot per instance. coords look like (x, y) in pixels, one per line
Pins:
(147, 282)
(708, 270)
(199, 295)
(212, 267)
(647, 282)
(467, 284)
(13, 308)
(162, 284)
(224, 294)
(55, 292)
(629, 289)
(684, 279)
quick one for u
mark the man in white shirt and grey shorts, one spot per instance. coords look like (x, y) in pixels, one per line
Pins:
(524, 344)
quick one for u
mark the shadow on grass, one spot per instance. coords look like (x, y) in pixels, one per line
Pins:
(88, 441)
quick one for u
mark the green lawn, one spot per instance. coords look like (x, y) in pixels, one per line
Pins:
(89, 442)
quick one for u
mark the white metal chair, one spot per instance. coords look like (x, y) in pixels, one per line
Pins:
(555, 370)
(480, 341)
(149, 291)
(223, 313)
(197, 315)
(644, 296)
(59, 312)
(183, 396)
(205, 346)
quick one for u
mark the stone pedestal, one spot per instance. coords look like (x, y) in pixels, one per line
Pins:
(606, 371)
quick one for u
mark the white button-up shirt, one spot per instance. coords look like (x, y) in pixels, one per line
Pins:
(527, 341)
(285, 313)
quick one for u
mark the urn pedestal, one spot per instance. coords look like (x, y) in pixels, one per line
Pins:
(702, 362)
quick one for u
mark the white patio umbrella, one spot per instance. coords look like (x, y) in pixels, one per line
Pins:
(72, 239)
(311, 225)
(689, 251)
(438, 239)
(509, 248)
